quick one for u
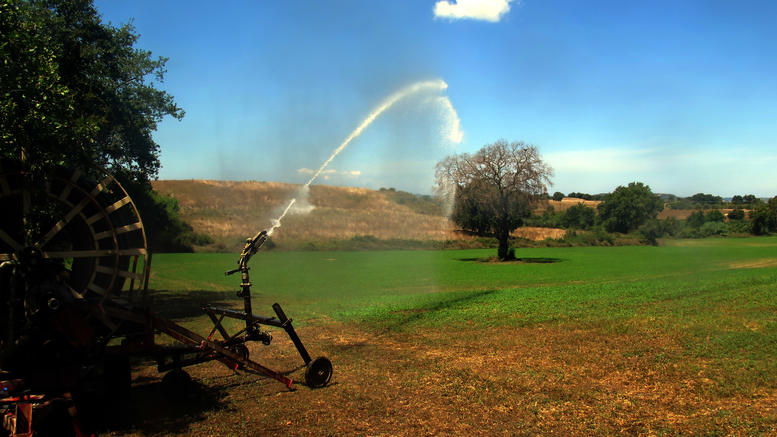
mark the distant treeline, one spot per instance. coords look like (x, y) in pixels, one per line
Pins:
(634, 207)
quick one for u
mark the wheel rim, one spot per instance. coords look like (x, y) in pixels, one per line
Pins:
(93, 227)
(319, 372)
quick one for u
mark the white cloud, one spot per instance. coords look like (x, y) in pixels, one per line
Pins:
(487, 10)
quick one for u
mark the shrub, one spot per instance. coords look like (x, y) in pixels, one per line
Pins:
(712, 228)
(671, 226)
(738, 227)
(736, 214)
(578, 216)
(651, 231)
(696, 219)
(714, 216)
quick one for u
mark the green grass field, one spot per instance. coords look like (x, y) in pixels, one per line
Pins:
(675, 339)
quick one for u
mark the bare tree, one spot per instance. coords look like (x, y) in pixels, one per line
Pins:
(495, 188)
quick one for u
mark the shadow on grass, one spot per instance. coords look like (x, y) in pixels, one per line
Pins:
(149, 412)
(187, 304)
(527, 260)
(400, 318)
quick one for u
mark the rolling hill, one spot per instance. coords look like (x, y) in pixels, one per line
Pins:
(230, 211)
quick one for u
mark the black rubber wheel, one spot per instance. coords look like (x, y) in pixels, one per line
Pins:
(176, 383)
(318, 373)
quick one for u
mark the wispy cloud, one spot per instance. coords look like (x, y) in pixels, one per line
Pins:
(328, 173)
(604, 160)
(666, 170)
(487, 10)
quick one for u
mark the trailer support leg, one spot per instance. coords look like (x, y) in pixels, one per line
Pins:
(286, 325)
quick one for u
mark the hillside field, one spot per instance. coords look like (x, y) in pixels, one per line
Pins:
(673, 340)
(229, 212)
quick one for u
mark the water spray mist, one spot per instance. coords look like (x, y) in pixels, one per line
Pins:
(454, 130)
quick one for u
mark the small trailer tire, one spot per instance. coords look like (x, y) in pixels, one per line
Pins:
(318, 372)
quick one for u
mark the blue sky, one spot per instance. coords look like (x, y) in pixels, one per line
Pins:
(680, 95)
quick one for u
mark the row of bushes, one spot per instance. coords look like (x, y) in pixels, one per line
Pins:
(579, 216)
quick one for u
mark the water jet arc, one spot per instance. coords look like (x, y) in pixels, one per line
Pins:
(431, 85)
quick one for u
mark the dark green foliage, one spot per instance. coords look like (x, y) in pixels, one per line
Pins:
(748, 201)
(740, 227)
(76, 92)
(495, 188)
(474, 212)
(671, 227)
(548, 219)
(763, 218)
(736, 214)
(706, 199)
(583, 196)
(696, 219)
(579, 216)
(713, 228)
(626, 208)
(699, 201)
(682, 203)
(597, 237)
(651, 230)
(558, 196)
(715, 216)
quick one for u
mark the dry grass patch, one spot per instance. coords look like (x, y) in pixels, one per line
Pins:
(239, 209)
(539, 234)
(229, 210)
(500, 381)
(755, 264)
(568, 202)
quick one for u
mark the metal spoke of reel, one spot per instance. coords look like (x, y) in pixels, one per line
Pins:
(86, 220)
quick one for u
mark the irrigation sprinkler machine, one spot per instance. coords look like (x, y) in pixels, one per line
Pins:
(74, 306)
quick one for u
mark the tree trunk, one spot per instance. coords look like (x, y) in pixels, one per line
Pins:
(504, 244)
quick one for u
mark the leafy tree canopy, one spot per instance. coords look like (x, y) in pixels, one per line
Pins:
(495, 188)
(579, 216)
(706, 199)
(763, 219)
(75, 91)
(626, 208)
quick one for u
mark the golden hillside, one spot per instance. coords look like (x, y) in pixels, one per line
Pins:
(230, 211)
(241, 209)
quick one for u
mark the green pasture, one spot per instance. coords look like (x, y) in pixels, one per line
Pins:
(719, 295)
(679, 339)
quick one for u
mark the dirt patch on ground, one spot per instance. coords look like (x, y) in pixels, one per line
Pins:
(755, 264)
(499, 381)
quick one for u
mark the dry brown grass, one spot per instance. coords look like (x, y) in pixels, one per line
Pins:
(240, 209)
(539, 234)
(682, 214)
(568, 202)
(236, 210)
(538, 380)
